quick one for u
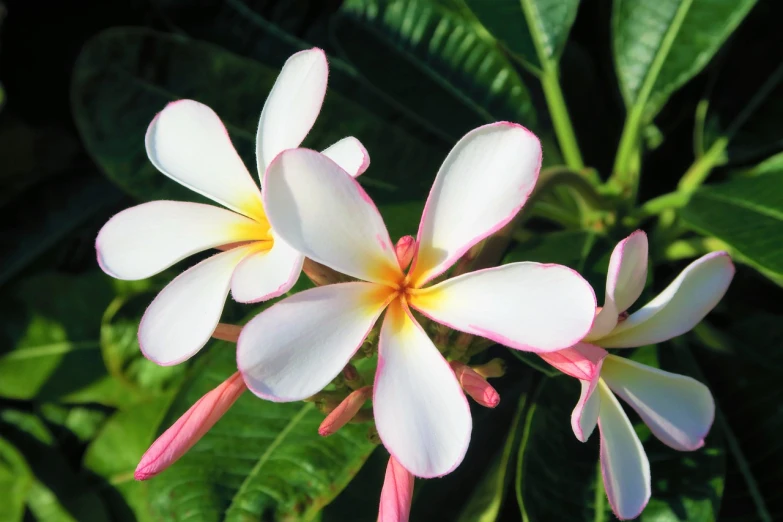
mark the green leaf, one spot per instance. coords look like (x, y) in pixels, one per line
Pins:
(115, 453)
(558, 478)
(15, 482)
(124, 76)
(536, 30)
(261, 460)
(57, 492)
(439, 61)
(658, 46)
(746, 215)
(50, 340)
(485, 503)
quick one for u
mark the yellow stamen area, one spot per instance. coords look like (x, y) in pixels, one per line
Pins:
(253, 208)
(425, 298)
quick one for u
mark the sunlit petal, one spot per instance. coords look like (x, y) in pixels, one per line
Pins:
(318, 209)
(582, 361)
(527, 306)
(679, 307)
(292, 106)
(296, 347)
(679, 410)
(420, 411)
(480, 187)
(585, 415)
(266, 273)
(350, 154)
(188, 143)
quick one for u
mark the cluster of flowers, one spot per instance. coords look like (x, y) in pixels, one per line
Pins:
(312, 210)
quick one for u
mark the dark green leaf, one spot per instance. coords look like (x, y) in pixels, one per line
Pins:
(558, 478)
(536, 30)
(50, 340)
(439, 61)
(124, 76)
(114, 455)
(746, 214)
(658, 46)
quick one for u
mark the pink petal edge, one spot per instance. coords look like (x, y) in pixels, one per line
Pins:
(397, 493)
(581, 361)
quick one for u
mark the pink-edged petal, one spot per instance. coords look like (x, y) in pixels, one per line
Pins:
(189, 428)
(527, 306)
(582, 361)
(480, 187)
(293, 349)
(420, 411)
(350, 154)
(188, 143)
(181, 319)
(679, 307)
(143, 240)
(679, 410)
(292, 106)
(624, 464)
(624, 282)
(584, 417)
(318, 209)
(266, 273)
(397, 493)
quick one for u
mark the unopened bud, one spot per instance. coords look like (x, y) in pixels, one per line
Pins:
(227, 332)
(494, 368)
(475, 385)
(397, 493)
(405, 248)
(345, 411)
(319, 274)
(352, 377)
(189, 428)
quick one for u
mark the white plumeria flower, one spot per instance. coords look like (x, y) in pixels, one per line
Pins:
(188, 143)
(296, 347)
(678, 410)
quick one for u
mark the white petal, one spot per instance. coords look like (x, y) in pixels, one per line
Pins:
(293, 349)
(679, 410)
(266, 274)
(183, 316)
(188, 143)
(624, 282)
(624, 464)
(292, 106)
(527, 306)
(318, 209)
(420, 411)
(585, 414)
(350, 154)
(143, 240)
(679, 307)
(480, 187)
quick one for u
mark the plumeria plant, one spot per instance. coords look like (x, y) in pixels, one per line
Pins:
(552, 295)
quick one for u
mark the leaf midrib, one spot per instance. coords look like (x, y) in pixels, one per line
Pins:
(742, 203)
(50, 349)
(267, 454)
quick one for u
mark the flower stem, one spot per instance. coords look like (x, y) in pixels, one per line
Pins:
(558, 111)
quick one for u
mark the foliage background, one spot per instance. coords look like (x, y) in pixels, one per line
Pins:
(81, 80)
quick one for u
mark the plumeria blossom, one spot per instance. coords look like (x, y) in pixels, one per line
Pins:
(188, 143)
(678, 410)
(296, 347)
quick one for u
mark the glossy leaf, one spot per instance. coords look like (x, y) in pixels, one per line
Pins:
(746, 214)
(125, 76)
(537, 30)
(52, 333)
(261, 458)
(558, 477)
(439, 61)
(658, 46)
(15, 482)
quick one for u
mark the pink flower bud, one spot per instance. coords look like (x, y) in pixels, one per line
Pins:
(346, 410)
(475, 385)
(189, 428)
(582, 360)
(397, 493)
(405, 248)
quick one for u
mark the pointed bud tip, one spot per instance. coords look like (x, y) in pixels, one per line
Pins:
(143, 474)
(405, 248)
(491, 398)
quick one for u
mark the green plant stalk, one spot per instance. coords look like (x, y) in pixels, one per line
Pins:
(701, 168)
(599, 503)
(659, 204)
(550, 82)
(623, 174)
